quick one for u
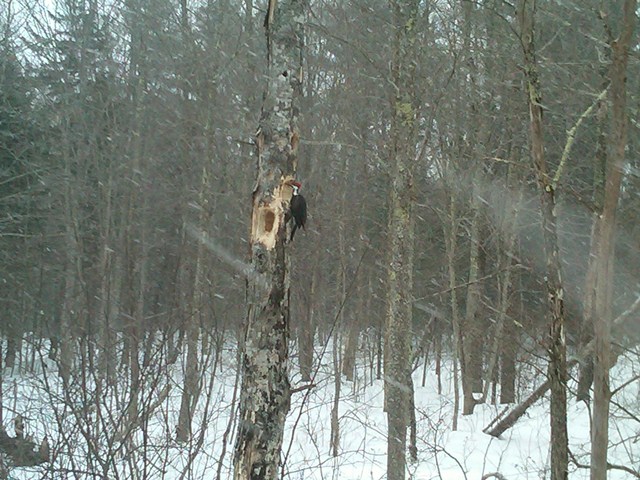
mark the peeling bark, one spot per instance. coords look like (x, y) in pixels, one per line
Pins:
(265, 394)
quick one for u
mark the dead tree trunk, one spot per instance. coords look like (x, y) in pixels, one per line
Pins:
(265, 394)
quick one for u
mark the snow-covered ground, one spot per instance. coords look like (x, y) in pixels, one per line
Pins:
(86, 431)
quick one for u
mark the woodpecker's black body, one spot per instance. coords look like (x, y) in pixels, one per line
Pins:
(298, 208)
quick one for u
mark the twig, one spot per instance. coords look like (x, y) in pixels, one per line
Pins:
(628, 382)
(322, 352)
(478, 280)
(302, 388)
(610, 466)
(626, 411)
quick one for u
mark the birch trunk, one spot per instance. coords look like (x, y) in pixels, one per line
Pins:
(335, 408)
(586, 334)
(265, 393)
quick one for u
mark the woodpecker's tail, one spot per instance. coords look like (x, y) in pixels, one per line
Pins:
(293, 232)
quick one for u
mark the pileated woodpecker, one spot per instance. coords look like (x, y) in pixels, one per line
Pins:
(298, 208)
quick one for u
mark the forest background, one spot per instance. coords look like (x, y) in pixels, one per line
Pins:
(128, 162)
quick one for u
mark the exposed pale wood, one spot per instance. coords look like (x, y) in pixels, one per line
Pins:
(265, 393)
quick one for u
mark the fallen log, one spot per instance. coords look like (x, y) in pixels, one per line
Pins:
(508, 421)
(624, 327)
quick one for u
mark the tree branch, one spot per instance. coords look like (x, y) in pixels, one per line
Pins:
(571, 137)
(610, 466)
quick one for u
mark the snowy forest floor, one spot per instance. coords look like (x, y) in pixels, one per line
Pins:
(90, 436)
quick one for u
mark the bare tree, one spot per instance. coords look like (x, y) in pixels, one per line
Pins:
(265, 394)
(603, 241)
(398, 383)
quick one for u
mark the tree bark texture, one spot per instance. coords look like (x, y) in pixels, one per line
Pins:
(401, 240)
(265, 394)
(557, 349)
(604, 242)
